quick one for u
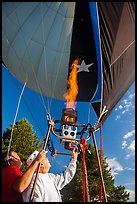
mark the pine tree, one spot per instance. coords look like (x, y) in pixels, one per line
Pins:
(24, 140)
(73, 191)
(119, 194)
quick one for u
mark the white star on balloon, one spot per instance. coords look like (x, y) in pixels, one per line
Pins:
(83, 66)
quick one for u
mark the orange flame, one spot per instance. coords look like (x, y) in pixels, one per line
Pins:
(72, 92)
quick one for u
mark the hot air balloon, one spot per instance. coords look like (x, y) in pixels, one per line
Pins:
(46, 37)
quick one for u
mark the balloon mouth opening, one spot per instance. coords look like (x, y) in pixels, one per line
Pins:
(69, 115)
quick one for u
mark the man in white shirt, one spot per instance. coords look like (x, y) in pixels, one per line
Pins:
(48, 185)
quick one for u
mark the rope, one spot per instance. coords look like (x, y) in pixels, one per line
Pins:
(57, 71)
(15, 119)
(120, 55)
(104, 111)
(30, 110)
(33, 68)
(98, 159)
(46, 74)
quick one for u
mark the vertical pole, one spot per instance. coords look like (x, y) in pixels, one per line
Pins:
(101, 159)
(83, 172)
(38, 168)
(101, 175)
(86, 196)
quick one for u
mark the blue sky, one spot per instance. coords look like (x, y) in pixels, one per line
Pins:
(118, 129)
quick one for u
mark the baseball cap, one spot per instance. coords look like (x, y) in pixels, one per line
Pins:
(32, 157)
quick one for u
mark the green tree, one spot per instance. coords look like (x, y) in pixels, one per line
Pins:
(24, 140)
(73, 191)
(119, 194)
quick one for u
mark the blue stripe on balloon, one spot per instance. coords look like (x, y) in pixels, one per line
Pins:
(94, 18)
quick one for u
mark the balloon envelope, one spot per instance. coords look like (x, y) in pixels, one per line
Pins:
(40, 41)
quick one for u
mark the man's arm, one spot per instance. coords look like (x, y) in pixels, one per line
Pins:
(63, 179)
(22, 182)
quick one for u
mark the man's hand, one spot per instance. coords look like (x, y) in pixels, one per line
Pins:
(74, 154)
(41, 156)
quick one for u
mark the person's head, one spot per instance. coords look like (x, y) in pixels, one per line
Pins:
(44, 165)
(11, 158)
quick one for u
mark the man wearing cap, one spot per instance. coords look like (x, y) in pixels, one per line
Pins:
(13, 181)
(48, 185)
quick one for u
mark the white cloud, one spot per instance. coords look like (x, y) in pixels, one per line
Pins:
(131, 96)
(129, 101)
(120, 107)
(114, 165)
(124, 144)
(127, 156)
(123, 112)
(129, 169)
(128, 144)
(129, 134)
(126, 105)
(131, 196)
(133, 106)
(125, 101)
(117, 117)
(131, 147)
